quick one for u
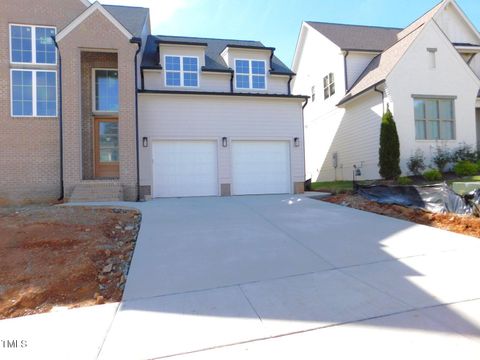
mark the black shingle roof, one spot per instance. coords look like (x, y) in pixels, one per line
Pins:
(132, 18)
(213, 49)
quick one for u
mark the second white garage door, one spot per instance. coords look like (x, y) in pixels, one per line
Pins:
(260, 167)
(185, 168)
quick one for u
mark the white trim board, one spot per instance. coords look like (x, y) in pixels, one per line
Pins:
(94, 7)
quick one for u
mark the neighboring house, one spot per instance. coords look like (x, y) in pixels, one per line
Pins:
(108, 111)
(427, 74)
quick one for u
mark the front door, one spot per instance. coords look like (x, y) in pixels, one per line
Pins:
(106, 148)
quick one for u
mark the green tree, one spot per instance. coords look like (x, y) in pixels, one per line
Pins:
(389, 152)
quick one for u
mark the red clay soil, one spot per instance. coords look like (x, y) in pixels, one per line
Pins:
(55, 256)
(467, 225)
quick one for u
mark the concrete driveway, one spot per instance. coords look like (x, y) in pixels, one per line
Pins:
(273, 277)
(281, 276)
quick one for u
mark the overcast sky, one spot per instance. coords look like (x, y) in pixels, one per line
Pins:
(277, 22)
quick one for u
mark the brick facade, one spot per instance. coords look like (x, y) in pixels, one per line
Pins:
(97, 34)
(29, 156)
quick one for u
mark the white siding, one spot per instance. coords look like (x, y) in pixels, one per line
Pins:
(195, 117)
(317, 57)
(478, 129)
(356, 136)
(356, 64)
(215, 82)
(451, 77)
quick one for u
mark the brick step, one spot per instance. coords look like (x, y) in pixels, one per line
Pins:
(97, 191)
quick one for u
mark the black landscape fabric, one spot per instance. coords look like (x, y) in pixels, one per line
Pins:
(433, 198)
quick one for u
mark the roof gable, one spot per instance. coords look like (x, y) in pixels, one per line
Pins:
(456, 25)
(89, 11)
(381, 65)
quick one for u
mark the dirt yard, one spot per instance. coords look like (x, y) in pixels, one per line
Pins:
(55, 256)
(460, 224)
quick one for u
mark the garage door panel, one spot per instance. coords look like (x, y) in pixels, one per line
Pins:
(185, 168)
(261, 167)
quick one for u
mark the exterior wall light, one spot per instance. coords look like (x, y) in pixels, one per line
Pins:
(145, 142)
(296, 142)
(224, 142)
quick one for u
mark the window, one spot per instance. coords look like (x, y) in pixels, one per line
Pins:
(313, 93)
(181, 71)
(434, 119)
(34, 93)
(250, 74)
(32, 45)
(328, 86)
(106, 90)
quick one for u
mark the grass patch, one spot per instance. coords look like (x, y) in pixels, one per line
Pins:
(333, 186)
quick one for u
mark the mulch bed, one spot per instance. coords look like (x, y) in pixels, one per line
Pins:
(467, 225)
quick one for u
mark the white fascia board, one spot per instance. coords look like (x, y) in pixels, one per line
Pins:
(94, 7)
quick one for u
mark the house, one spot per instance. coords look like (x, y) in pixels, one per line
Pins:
(94, 107)
(427, 74)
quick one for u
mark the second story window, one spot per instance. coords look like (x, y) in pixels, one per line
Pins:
(32, 45)
(313, 93)
(328, 86)
(105, 90)
(250, 74)
(181, 71)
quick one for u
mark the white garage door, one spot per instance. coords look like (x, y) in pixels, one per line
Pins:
(185, 168)
(261, 167)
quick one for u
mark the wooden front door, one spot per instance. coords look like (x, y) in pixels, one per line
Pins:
(106, 148)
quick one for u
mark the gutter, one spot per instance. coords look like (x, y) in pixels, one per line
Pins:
(345, 55)
(60, 119)
(212, 93)
(306, 102)
(383, 97)
(289, 88)
(345, 99)
(137, 41)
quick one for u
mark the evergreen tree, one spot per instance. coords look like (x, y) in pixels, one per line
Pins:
(389, 153)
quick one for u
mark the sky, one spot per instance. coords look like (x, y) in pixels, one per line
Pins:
(276, 23)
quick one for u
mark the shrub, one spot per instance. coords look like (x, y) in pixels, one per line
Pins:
(465, 168)
(442, 158)
(433, 175)
(465, 153)
(416, 163)
(389, 152)
(404, 180)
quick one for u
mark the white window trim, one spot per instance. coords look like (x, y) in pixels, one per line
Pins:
(181, 71)
(437, 99)
(250, 74)
(34, 93)
(329, 86)
(94, 93)
(34, 45)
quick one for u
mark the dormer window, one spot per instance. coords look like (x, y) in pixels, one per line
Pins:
(181, 71)
(328, 86)
(250, 74)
